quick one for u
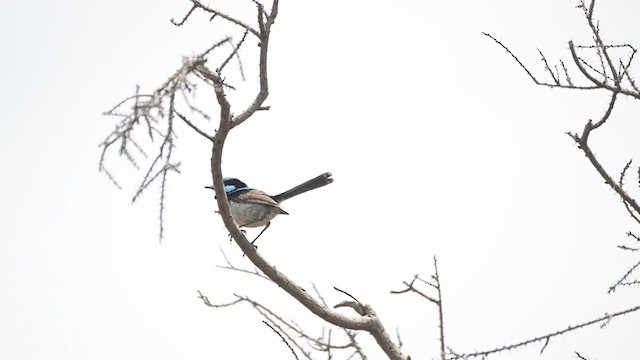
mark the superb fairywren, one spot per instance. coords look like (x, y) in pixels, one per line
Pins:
(254, 208)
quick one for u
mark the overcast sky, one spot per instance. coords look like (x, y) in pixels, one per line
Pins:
(439, 144)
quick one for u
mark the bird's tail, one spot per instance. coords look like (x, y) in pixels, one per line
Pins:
(316, 182)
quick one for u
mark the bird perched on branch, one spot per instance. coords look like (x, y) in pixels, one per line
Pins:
(254, 208)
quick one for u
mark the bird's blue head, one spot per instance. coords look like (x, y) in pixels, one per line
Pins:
(233, 184)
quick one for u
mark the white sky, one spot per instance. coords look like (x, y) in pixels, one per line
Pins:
(438, 142)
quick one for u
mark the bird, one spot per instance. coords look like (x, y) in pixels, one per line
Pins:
(252, 208)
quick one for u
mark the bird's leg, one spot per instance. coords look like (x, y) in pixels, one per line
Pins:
(263, 230)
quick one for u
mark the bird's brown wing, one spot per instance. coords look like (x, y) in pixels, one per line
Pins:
(257, 197)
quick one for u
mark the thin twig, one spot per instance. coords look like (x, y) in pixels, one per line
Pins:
(283, 339)
(605, 318)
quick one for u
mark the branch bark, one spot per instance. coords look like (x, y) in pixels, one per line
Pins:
(370, 321)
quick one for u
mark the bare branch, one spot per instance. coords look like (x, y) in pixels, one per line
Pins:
(604, 319)
(598, 83)
(437, 300)
(291, 332)
(195, 128)
(615, 78)
(602, 49)
(151, 110)
(566, 73)
(361, 309)
(513, 56)
(208, 303)
(556, 80)
(611, 77)
(582, 141)
(630, 283)
(225, 16)
(621, 184)
(535, 80)
(623, 280)
(234, 53)
(263, 93)
(578, 356)
(398, 337)
(184, 19)
(411, 288)
(226, 40)
(350, 334)
(283, 339)
(346, 293)
(371, 323)
(232, 267)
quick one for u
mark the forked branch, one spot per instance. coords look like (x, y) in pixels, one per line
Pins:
(435, 284)
(613, 76)
(370, 321)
